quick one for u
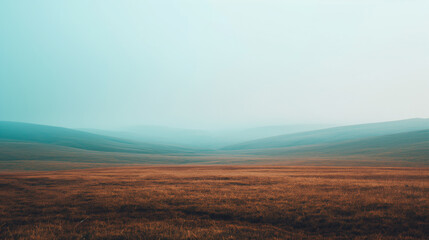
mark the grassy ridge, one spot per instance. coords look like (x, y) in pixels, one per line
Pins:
(410, 145)
(334, 135)
(24, 132)
(23, 146)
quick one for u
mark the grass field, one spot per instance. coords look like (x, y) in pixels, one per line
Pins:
(216, 202)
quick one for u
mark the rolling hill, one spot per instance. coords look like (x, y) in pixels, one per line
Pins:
(58, 136)
(202, 139)
(411, 146)
(31, 146)
(334, 135)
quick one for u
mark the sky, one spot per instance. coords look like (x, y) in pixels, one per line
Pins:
(213, 63)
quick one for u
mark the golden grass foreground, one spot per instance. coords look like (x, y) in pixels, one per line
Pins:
(216, 202)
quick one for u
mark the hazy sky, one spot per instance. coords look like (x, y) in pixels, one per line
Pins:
(219, 63)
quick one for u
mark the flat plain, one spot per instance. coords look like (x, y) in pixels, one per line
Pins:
(216, 202)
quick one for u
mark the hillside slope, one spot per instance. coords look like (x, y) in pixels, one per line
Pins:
(202, 139)
(412, 146)
(25, 132)
(333, 135)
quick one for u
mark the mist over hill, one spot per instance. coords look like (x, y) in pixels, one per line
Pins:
(336, 134)
(27, 146)
(34, 133)
(203, 139)
(409, 146)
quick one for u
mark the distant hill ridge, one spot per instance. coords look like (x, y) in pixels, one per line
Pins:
(409, 145)
(26, 132)
(336, 134)
(24, 146)
(203, 139)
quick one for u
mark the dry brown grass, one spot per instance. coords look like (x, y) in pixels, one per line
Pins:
(223, 202)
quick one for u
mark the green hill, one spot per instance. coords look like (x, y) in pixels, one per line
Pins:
(58, 136)
(202, 139)
(411, 146)
(31, 146)
(334, 135)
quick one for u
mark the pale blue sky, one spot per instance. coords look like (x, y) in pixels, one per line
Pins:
(219, 63)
